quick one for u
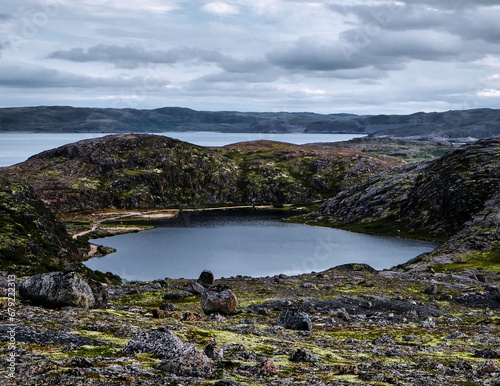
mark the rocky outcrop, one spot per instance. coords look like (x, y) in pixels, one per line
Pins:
(145, 171)
(454, 196)
(219, 299)
(31, 238)
(61, 289)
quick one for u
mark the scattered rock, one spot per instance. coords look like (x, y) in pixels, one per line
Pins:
(487, 353)
(169, 307)
(349, 369)
(212, 351)
(383, 339)
(195, 288)
(488, 367)
(302, 355)
(226, 382)
(162, 314)
(294, 320)
(191, 317)
(206, 278)
(60, 289)
(192, 362)
(431, 290)
(162, 342)
(264, 369)
(176, 295)
(219, 299)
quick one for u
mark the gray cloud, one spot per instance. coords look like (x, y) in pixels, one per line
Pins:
(133, 56)
(28, 76)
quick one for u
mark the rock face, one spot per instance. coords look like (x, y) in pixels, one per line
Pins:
(178, 358)
(219, 299)
(454, 196)
(60, 289)
(145, 171)
(31, 238)
(294, 320)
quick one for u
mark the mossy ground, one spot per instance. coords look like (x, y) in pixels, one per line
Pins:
(337, 341)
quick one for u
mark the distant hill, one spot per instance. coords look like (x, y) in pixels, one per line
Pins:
(459, 125)
(145, 171)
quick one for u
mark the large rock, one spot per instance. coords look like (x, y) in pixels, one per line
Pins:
(178, 358)
(60, 289)
(294, 320)
(206, 278)
(219, 299)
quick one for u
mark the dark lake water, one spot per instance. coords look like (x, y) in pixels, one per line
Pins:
(253, 243)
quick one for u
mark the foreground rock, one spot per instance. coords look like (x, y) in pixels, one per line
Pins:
(294, 320)
(219, 299)
(177, 358)
(61, 289)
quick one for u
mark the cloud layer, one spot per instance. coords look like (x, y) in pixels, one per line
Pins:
(373, 56)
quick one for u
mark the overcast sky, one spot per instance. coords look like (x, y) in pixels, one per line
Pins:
(363, 57)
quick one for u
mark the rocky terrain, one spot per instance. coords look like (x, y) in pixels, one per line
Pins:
(451, 125)
(32, 239)
(147, 171)
(348, 325)
(432, 321)
(453, 198)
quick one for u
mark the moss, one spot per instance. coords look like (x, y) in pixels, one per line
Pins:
(472, 260)
(144, 299)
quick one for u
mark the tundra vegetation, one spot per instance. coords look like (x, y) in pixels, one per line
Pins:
(432, 321)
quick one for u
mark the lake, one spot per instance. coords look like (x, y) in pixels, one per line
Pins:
(253, 243)
(17, 147)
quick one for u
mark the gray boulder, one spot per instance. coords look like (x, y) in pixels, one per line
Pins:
(60, 289)
(294, 320)
(195, 288)
(219, 299)
(206, 278)
(302, 355)
(162, 342)
(177, 357)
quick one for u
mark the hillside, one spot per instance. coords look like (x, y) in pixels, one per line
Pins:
(455, 196)
(147, 171)
(460, 125)
(31, 238)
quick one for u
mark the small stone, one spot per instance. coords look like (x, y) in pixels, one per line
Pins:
(169, 307)
(302, 355)
(488, 367)
(431, 290)
(349, 369)
(195, 288)
(294, 320)
(264, 369)
(191, 317)
(176, 295)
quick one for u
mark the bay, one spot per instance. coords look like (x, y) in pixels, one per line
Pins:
(18, 147)
(253, 243)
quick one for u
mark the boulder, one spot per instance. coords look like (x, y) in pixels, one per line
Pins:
(302, 355)
(219, 299)
(162, 342)
(191, 363)
(195, 288)
(60, 289)
(206, 278)
(294, 320)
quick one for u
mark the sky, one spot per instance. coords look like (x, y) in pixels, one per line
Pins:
(344, 56)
